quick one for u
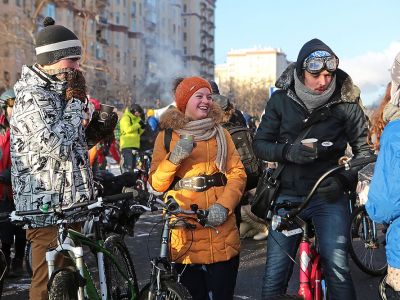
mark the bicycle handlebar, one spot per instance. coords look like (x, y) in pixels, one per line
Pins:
(172, 207)
(347, 165)
(16, 215)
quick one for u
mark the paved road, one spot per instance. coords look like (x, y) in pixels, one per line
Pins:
(249, 278)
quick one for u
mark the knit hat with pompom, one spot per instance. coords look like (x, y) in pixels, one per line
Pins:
(55, 42)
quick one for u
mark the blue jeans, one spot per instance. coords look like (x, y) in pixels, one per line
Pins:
(128, 161)
(331, 221)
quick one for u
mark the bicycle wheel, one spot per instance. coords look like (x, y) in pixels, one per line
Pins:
(367, 247)
(3, 269)
(386, 292)
(171, 290)
(117, 285)
(63, 286)
(28, 258)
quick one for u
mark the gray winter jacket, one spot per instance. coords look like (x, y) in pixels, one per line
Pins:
(48, 148)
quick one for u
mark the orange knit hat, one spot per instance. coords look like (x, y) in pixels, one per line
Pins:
(187, 88)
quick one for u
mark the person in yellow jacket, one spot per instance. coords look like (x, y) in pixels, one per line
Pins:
(208, 257)
(131, 128)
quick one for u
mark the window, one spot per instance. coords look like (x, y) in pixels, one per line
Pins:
(134, 62)
(51, 10)
(184, 8)
(5, 1)
(91, 48)
(133, 25)
(99, 53)
(184, 22)
(117, 19)
(133, 9)
(185, 50)
(18, 2)
(184, 36)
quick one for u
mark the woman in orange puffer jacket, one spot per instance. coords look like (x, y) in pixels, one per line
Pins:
(209, 259)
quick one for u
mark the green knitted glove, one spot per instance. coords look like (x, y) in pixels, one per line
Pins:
(217, 215)
(182, 150)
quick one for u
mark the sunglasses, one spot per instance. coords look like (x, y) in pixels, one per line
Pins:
(315, 65)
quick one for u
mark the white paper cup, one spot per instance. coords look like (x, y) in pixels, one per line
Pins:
(311, 142)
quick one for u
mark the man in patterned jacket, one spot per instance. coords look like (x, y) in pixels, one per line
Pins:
(49, 144)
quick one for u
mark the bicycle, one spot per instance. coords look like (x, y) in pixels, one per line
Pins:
(164, 280)
(368, 241)
(368, 238)
(3, 270)
(312, 283)
(115, 270)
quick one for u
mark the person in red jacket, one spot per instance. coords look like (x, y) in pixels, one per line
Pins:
(9, 232)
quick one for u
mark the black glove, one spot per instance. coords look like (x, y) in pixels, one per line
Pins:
(330, 189)
(96, 131)
(141, 123)
(300, 154)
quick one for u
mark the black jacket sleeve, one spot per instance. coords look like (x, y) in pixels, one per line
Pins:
(266, 144)
(356, 133)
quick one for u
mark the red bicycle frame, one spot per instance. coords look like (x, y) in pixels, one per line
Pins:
(310, 271)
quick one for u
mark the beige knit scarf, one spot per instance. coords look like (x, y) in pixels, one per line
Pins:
(206, 129)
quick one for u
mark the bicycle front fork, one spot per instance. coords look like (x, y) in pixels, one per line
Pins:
(77, 253)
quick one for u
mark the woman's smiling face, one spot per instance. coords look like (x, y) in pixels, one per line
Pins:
(199, 104)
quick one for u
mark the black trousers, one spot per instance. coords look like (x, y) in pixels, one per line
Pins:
(210, 282)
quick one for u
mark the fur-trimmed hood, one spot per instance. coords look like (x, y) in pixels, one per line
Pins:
(348, 91)
(175, 119)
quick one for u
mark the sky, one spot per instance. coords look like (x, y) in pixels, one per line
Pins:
(365, 35)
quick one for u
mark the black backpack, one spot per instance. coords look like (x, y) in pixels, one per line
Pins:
(242, 138)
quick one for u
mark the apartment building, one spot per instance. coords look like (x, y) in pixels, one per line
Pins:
(132, 49)
(260, 66)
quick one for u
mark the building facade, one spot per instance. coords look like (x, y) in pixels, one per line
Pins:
(248, 76)
(132, 49)
(258, 65)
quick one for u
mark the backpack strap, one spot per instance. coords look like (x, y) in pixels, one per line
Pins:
(167, 138)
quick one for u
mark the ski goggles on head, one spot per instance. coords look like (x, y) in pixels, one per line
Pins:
(315, 65)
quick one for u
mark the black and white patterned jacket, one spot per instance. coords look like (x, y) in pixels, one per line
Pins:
(48, 146)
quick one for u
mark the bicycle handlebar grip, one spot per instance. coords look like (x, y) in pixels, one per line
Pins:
(361, 161)
(122, 196)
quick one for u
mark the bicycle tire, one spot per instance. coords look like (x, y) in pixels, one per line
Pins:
(3, 270)
(64, 286)
(368, 254)
(28, 258)
(386, 292)
(117, 286)
(171, 290)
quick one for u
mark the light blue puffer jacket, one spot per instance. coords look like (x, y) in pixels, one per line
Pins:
(383, 203)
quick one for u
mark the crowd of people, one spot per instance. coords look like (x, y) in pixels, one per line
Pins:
(54, 141)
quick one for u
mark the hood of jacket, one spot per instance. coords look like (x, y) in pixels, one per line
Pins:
(175, 119)
(345, 88)
(33, 76)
